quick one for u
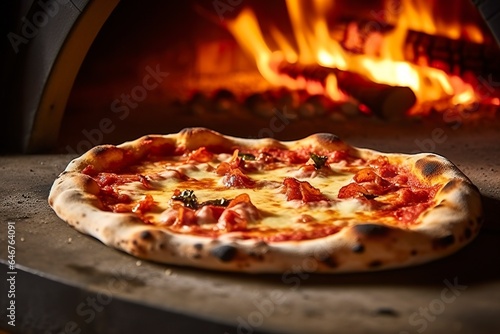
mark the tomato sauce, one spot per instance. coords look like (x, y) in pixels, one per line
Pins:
(409, 196)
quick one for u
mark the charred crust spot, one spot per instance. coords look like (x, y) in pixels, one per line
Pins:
(261, 244)
(256, 255)
(138, 250)
(84, 215)
(259, 250)
(371, 230)
(328, 260)
(161, 246)
(225, 253)
(328, 138)
(467, 233)
(444, 242)
(358, 248)
(375, 264)
(146, 235)
(61, 174)
(428, 167)
(100, 150)
(453, 184)
(75, 197)
(387, 311)
(134, 242)
(198, 246)
(197, 256)
(413, 252)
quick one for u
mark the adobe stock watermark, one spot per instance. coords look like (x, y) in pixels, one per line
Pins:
(437, 306)
(121, 107)
(223, 6)
(31, 27)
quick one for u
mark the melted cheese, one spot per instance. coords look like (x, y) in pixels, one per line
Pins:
(276, 212)
(270, 216)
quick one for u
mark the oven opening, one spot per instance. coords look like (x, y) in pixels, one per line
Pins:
(282, 69)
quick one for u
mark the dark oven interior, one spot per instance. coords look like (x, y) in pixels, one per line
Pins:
(292, 69)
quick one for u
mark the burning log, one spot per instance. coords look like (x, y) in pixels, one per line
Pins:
(385, 101)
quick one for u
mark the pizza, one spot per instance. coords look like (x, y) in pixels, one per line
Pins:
(202, 199)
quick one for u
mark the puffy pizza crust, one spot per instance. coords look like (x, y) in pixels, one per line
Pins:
(441, 230)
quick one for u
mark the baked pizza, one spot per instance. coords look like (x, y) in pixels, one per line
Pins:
(199, 198)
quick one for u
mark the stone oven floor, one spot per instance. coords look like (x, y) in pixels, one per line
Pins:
(68, 281)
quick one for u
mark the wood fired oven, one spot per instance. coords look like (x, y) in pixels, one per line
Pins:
(395, 75)
(325, 62)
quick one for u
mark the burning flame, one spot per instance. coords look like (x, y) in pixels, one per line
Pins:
(382, 62)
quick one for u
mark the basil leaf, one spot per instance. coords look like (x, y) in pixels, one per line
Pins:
(319, 160)
(246, 156)
(188, 198)
(217, 202)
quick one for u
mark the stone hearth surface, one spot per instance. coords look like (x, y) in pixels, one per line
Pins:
(68, 281)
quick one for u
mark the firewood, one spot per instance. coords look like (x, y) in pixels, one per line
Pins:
(385, 101)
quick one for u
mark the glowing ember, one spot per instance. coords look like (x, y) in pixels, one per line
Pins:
(381, 57)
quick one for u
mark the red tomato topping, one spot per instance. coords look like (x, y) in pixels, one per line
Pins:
(121, 207)
(241, 198)
(352, 190)
(237, 179)
(185, 217)
(89, 170)
(231, 221)
(233, 175)
(317, 231)
(112, 199)
(408, 196)
(215, 210)
(338, 156)
(223, 168)
(201, 155)
(302, 190)
(366, 175)
(408, 214)
(383, 178)
(106, 179)
(238, 214)
(158, 150)
(144, 205)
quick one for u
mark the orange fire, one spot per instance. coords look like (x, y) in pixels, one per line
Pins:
(382, 60)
